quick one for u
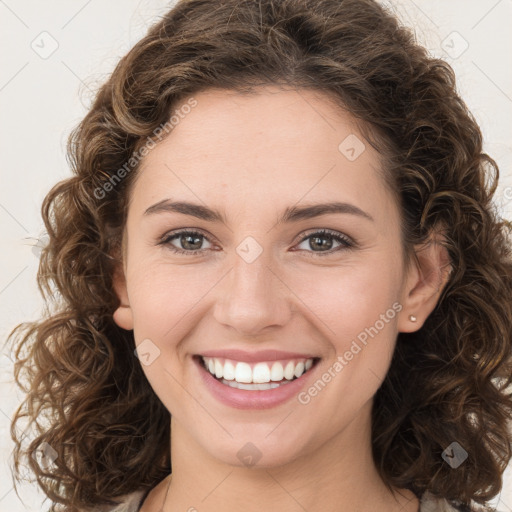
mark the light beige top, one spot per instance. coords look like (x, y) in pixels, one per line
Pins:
(428, 503)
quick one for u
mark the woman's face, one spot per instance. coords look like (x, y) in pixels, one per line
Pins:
(263, 278)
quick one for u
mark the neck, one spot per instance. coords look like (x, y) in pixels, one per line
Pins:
(339, 475)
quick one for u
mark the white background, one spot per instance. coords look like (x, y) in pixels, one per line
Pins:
(42, 99)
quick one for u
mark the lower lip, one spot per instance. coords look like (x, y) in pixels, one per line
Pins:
(252, 399)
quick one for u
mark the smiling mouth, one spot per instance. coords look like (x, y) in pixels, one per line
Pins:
(258, 376)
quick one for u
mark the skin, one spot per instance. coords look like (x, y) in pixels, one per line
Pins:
(249, 157)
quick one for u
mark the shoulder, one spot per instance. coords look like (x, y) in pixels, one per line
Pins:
(126, 503)
(432, 503)
(129, 502)
(149, 497)
(134, 501)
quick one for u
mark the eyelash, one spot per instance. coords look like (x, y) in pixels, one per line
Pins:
(347, 243)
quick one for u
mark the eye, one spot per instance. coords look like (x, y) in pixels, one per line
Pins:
(191, 242)
(316, 240)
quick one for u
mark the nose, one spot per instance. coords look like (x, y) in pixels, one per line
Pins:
(252, 297)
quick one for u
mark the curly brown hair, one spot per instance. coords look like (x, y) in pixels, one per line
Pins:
(86, 394)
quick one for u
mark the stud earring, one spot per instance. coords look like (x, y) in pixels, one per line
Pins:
(412, 318)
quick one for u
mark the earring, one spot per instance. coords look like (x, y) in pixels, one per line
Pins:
(412, 318)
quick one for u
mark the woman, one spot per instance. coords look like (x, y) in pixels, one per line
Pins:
(282, 282)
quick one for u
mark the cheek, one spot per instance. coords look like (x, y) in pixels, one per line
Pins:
(347, 300)
(356, 310)
(161, 295)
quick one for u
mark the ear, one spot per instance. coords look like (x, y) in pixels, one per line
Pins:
(428, 273)
(123, 314)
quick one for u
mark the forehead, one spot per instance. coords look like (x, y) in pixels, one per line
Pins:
(271, 147)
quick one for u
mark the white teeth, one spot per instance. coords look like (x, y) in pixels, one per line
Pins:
(289, 370)
(263, 373)
(243, 372)
(253, 387)
(229, 371)
(299, 369)
(277, 372)
(219, 369)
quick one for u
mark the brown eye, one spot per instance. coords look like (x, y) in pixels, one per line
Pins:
(190, 241)
(322, 242)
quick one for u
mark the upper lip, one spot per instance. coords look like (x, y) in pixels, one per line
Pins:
(251, 357)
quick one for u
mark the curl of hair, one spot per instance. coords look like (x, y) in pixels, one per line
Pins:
(86, 394)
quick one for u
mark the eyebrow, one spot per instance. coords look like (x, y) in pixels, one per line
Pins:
(291, 214)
